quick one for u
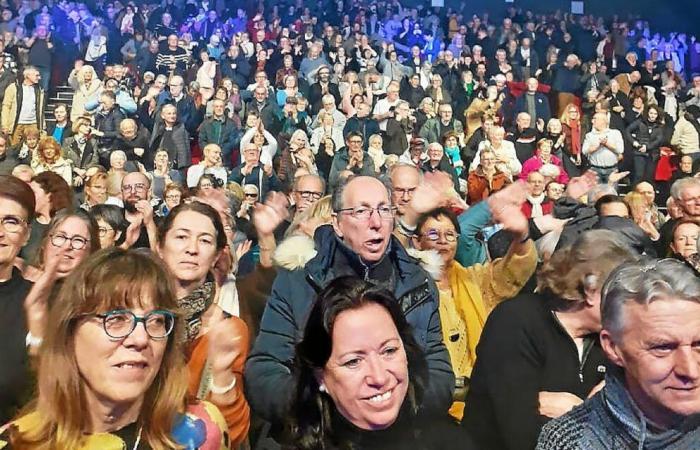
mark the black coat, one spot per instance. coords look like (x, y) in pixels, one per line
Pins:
(524, 350)
(315, 96)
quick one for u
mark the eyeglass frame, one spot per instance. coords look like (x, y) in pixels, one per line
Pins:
(452, 237)
(102, 231)
(19, 225)
(135, 321)
(354, 212)
(138, 187)
(308, 195)
(53, 236)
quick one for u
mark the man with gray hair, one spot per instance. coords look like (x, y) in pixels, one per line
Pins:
(603, 146)
(358, 243)
(650, 314)
(686, 195)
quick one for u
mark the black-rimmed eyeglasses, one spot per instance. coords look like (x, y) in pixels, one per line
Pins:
(120, 323)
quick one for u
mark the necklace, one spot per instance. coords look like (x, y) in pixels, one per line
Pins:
(138, 439)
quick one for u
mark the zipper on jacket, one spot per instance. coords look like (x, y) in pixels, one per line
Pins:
(587, 346)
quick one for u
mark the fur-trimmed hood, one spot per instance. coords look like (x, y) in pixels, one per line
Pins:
(295, 251)
(429, 260)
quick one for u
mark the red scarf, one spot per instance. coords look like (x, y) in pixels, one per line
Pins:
(575, 138)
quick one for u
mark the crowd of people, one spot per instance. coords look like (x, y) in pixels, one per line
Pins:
(346, 224)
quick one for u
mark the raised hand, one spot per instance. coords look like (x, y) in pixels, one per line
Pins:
(269, 215)
(579, 186)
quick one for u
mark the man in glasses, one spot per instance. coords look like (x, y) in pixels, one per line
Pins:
(306, 191)
(138, 211)
(358, 243)
(252, 172)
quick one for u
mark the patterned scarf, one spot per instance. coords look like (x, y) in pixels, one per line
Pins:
(194, 305)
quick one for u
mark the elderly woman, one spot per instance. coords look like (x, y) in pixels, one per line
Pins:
(191, 239)
(486, 179)
(360, 375)
(439, 162)
(437, 91)
(106, 381)
(86, 85)
(116, 173)
(81, 149)
(467, 295)
(49, 158)
(173, 195)
(506, 158)
(543, 155)
(539, 354)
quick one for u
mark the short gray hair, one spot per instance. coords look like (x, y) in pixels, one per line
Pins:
(337, 198)
(680, 185)
(643, 282)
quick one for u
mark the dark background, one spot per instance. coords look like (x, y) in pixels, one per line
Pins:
(664, 15)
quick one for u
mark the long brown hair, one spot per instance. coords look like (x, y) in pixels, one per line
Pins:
(110, 279)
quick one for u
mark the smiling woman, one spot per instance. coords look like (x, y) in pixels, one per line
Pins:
(360, 374)
(104, 381)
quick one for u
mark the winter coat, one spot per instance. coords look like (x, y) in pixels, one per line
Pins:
(11, 106)
(180, 156)
(269, 381)
(228, 139)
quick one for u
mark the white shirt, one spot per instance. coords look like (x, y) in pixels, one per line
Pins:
(27, 112)
(382, 107)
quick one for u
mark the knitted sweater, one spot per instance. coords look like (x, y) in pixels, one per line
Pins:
(611, 421)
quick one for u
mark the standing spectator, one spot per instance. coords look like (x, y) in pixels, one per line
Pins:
(23, 105)
(603, 147)
(62, 128)
(252, 172)
(134, 141)
(171, 135)
(322, 87)
(172, 59)
(41, 50)
(222, 131)
(85, 84)
(486, 178)
(351, 159)
(534, 103)
(646, 137)
(434, 129)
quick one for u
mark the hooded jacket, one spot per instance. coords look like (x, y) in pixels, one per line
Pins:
(268, 372)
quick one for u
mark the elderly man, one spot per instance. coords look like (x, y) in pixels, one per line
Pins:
(252, 171)
(603, 146)
(210, 164)
(434, 129)
(359, 243)
(686, 195)
(328, 105)
(306, 191)
(134, 141)
(651, 328)
(534, 103)
(221, 130)
(169, 133)
(351, 159)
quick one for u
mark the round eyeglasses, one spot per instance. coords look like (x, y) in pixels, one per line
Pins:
(120, 323)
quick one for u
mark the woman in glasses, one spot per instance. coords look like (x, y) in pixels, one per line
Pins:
(111, 372)
(111, 224)
(191, 239)
(17, 204)
(468, 294)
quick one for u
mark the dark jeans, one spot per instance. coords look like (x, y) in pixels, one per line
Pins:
(45, 73)
(644, 168)
(603, 173)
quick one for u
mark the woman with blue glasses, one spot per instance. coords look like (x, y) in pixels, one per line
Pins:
(111, 370)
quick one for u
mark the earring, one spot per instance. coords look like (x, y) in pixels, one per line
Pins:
(322, 388)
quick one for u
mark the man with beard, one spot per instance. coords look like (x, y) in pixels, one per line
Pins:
(321, 88)
(138, 211)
